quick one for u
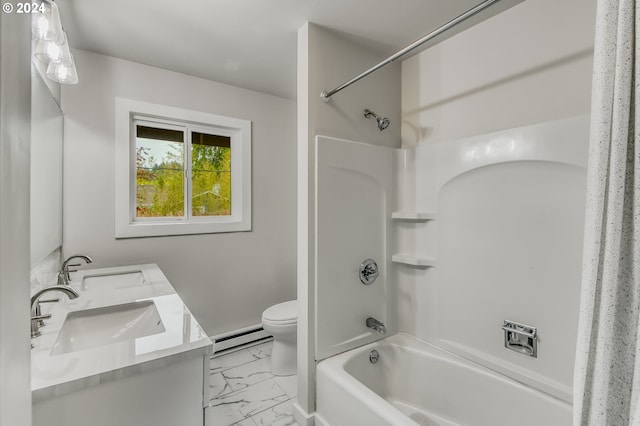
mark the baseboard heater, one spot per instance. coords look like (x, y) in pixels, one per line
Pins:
(236, 339)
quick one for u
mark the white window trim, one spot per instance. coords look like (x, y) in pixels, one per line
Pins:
(240, 132)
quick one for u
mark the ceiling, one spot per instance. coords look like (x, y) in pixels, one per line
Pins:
(246, 43)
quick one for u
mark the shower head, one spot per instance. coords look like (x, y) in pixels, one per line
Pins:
(383, 122)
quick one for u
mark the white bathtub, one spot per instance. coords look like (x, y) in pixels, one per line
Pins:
(415, 383)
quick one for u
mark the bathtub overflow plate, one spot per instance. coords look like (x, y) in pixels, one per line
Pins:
(374, 356)
(368, 271)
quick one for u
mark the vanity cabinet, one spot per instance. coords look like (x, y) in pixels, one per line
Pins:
(136, 357)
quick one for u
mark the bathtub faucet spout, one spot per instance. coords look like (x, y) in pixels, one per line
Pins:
(376, 325)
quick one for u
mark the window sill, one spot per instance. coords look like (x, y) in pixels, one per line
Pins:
(155, 229)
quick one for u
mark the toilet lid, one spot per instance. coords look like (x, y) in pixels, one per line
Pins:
(286, 311)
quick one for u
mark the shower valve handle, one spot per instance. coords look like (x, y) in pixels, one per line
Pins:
(368, 271)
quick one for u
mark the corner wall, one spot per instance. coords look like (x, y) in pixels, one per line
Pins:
(326, 60)
(226, 279)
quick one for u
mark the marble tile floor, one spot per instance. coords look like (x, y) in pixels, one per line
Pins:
(245, 393)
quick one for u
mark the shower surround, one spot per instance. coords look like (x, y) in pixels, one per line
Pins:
(475, 231)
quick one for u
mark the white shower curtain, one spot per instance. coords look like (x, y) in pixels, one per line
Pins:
(607, 371)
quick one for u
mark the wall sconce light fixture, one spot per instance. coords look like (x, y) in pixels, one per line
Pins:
(51, 44)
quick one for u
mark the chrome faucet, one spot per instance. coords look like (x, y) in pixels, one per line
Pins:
(376, 325)
(63, 274)
(36, 316)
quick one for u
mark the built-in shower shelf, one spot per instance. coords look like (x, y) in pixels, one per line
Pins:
(408, 259)
(413, 216)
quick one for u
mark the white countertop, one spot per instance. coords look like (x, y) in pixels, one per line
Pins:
(183, 336)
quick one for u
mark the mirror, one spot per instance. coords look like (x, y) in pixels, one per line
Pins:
(46, 170)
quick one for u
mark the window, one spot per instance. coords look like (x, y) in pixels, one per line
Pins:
(180, 172)
(164, 156)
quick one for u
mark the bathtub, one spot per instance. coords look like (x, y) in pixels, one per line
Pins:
(416, 383)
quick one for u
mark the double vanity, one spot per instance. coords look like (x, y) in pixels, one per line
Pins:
(127, 351)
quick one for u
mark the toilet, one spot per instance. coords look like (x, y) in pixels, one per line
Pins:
(281, 321)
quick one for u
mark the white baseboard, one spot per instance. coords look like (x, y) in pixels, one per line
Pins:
(303, 418)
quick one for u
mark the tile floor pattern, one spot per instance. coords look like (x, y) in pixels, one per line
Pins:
(245, 393)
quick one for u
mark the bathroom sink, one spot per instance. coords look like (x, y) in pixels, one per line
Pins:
(110, 324)
(113, 280)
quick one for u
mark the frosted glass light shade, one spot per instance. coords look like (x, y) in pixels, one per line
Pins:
(51, 51)
(47, 25)
(65, 53)
(63, 73)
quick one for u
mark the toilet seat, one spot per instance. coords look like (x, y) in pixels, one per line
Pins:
(282, 313)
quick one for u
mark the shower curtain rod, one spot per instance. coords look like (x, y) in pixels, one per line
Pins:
(325, 96)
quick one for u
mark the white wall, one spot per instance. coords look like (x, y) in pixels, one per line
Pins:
(530, 64)
(326, 60)
(228, 279)
(15, 106)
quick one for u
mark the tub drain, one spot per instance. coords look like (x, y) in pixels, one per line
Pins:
(374, 356)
